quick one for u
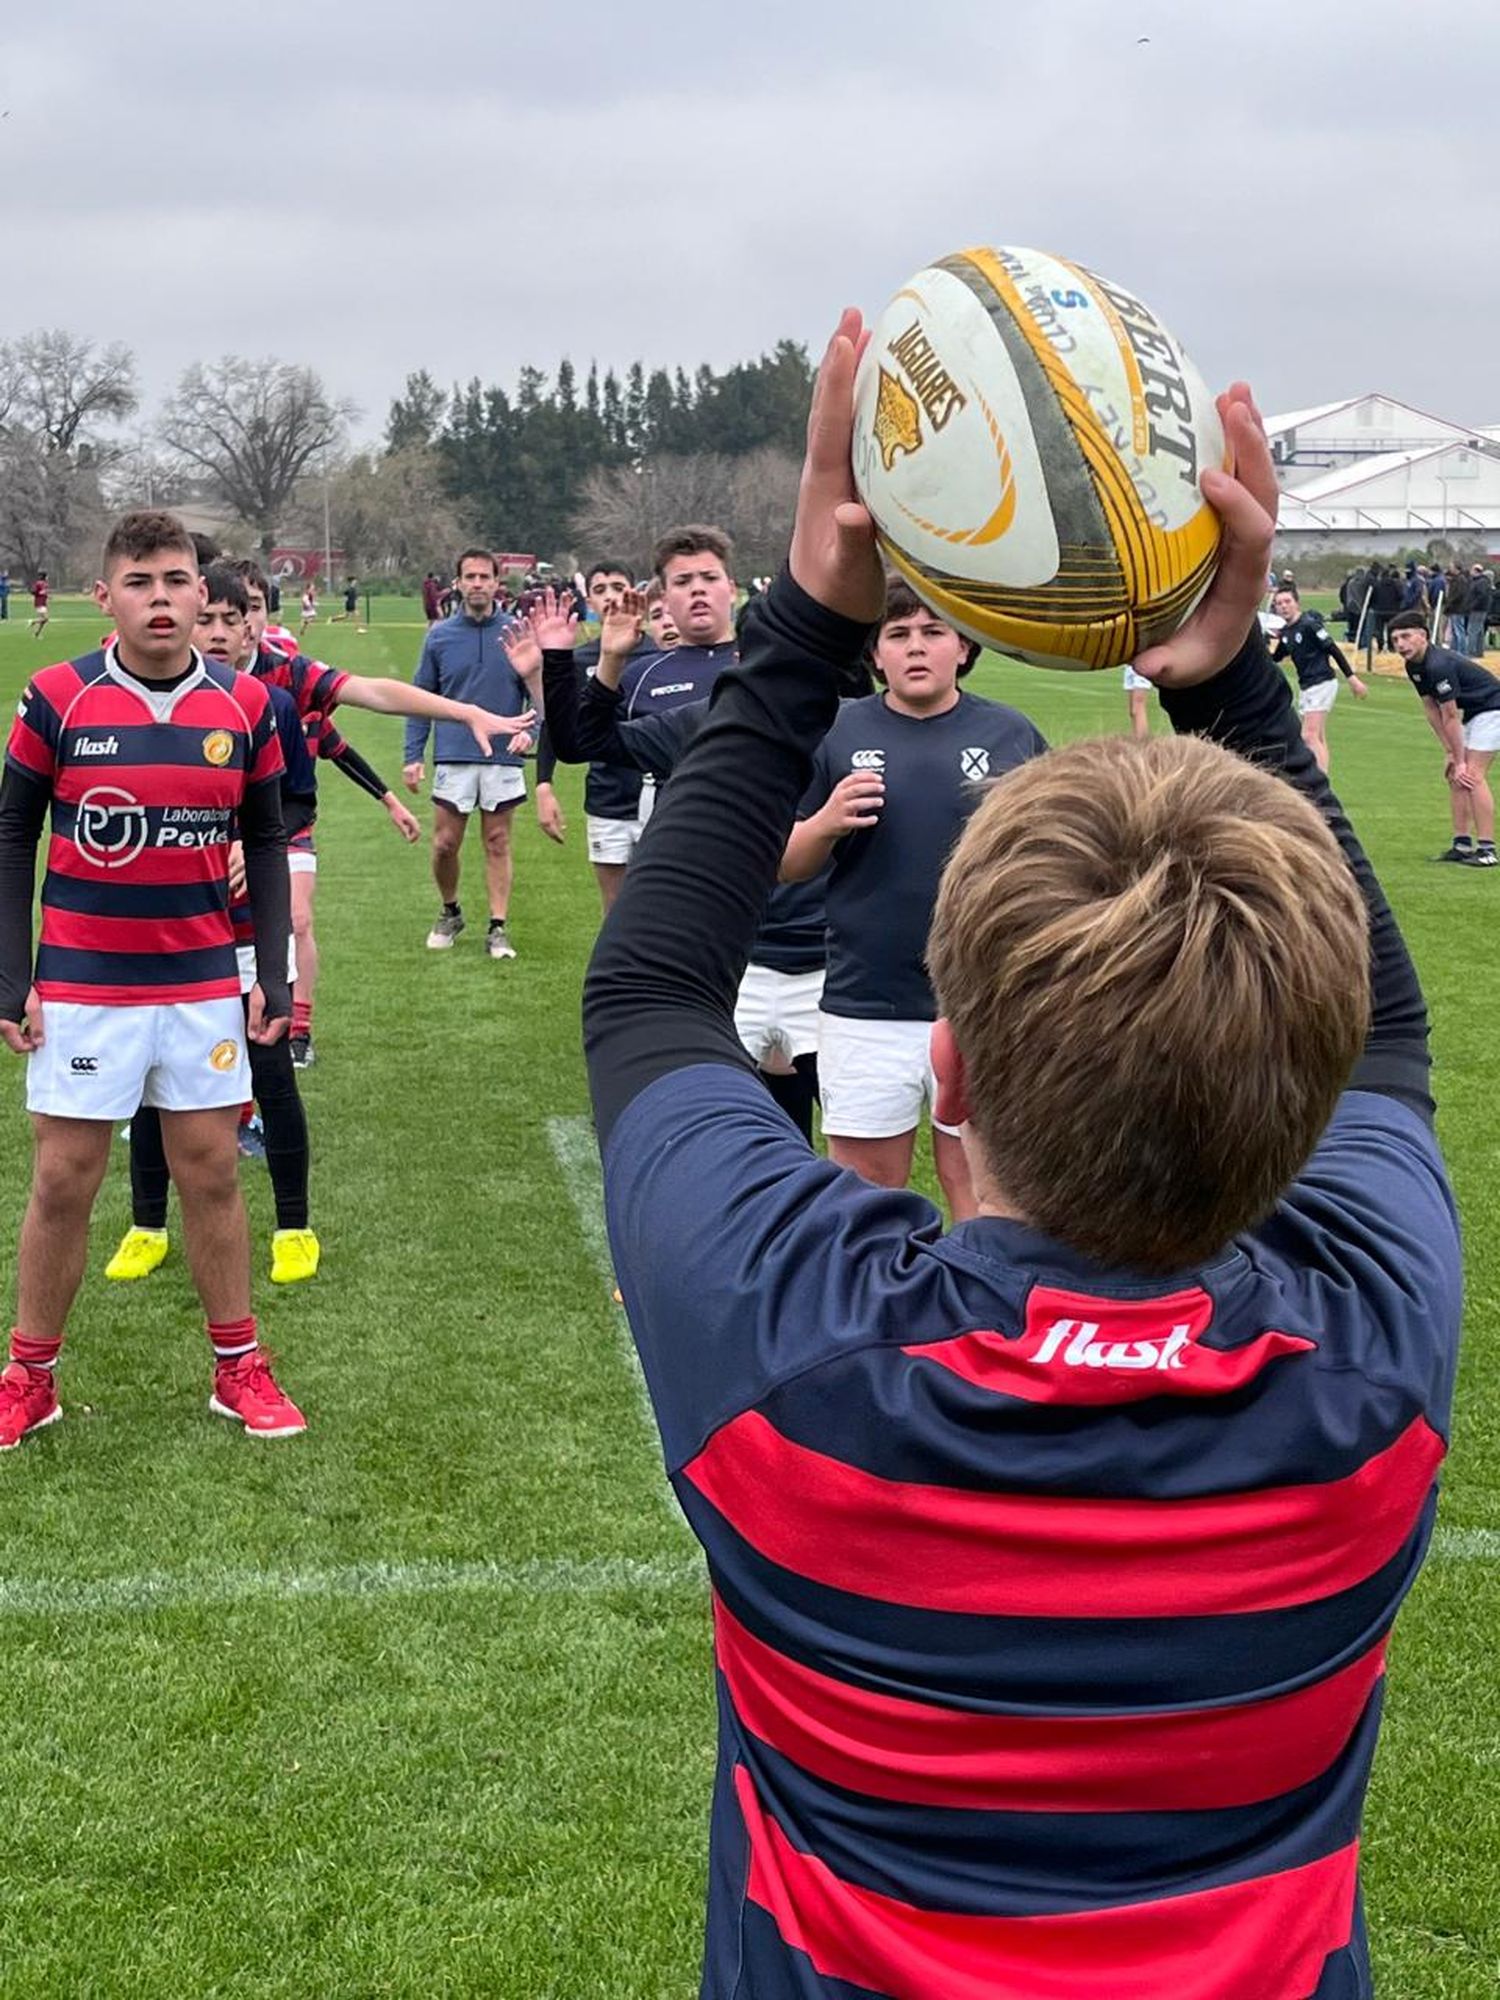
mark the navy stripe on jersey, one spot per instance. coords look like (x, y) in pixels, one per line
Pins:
(137, 899)
(134, 969)
(1028, 1864)
(1083, 1664)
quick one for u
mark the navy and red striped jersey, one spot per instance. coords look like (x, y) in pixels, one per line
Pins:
(278, 640)
(1050, 1603)
(299, 786)
(313, 687)
(145, 786)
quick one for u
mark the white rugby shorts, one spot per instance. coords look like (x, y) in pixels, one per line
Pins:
(491, 787)
(776, 1013)
(1317, 700)
(1483, 733)
(101, 1062)
(245, 959)
(875, 1077)
(611, 842)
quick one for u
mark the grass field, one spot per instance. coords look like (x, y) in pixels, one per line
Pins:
(420, 1704)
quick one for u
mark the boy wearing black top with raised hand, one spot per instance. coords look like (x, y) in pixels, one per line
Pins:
(894, 782)
(1054, 1560)
(1306, 641)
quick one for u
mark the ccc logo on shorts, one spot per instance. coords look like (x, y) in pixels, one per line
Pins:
(84, 1065)
(224, 1055)
(218, 746)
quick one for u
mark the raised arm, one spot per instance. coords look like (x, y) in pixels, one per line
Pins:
(661, 987)
(1246, 706)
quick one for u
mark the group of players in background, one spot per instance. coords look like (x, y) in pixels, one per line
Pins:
(836, 1005)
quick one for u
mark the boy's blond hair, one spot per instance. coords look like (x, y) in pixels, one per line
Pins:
(1154, 960)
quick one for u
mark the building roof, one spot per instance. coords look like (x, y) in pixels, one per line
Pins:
(1293, 420)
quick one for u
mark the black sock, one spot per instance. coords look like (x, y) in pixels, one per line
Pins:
(452, 910)
(497, 923)
(1463, 842)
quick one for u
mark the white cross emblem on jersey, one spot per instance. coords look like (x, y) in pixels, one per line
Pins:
(975, 764)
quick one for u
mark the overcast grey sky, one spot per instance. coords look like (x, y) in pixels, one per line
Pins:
(466, 186)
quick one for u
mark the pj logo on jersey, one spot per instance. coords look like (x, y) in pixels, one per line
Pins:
(110, 828)
(975, 764)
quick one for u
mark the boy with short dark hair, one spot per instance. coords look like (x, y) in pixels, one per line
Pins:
(894, 782)
(148, 758)
(1461, 701)
(224, 636)
(1306, 641)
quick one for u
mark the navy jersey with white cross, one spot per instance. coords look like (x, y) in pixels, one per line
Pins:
(1443, 675)
(884, 879)
(1310, 646)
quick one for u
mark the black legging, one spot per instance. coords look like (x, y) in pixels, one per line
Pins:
(797, 1093)
(273, 1084)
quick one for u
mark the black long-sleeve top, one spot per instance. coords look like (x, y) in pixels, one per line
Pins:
(668, 961)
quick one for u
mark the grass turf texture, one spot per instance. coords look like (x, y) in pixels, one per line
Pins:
(420, 1703)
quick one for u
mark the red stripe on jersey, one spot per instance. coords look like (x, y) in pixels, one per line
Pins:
(31, 751)
(940, 1548)
(153, 867)
(87, 930)
(918, 1753)
(1077, 1351)
(1269, 1937)
(202, 784)
(227, 988)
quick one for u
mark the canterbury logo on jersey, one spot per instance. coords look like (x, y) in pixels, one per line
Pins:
(867, 760)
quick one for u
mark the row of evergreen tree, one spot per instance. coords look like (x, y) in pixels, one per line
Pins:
(514, 463)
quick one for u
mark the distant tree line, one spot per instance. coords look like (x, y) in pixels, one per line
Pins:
(556, 465)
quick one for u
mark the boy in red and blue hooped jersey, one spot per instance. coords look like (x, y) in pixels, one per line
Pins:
(148, 758)
(1054, 1559)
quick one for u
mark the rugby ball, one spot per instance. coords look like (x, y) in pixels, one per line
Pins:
(1029, 438)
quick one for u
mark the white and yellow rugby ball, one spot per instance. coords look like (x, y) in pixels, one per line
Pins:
(1029, 438)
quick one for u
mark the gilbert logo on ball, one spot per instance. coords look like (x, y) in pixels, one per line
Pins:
(1029, 438)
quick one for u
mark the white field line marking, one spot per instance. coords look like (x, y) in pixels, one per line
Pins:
(543, 1576)
(576, 1151)
(163, 1590)
(1474, 1545)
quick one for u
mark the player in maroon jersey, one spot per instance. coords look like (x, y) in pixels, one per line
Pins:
(41, 592)
(147, 758)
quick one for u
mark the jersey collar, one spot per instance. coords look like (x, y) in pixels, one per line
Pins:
(160, 701)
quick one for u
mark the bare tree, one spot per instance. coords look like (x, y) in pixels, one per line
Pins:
(64, 387)
(253, 428)
(626, 509)
(58, 394)
(51, 512)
